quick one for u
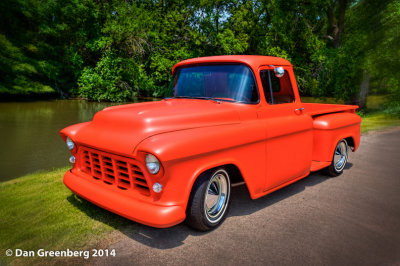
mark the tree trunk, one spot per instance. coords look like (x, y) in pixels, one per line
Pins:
(364, 88)
(336, 19)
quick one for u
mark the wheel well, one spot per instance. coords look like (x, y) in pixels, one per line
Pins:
(233, 171)
(350, 142)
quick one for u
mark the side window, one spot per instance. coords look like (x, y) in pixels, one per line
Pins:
(282, 91)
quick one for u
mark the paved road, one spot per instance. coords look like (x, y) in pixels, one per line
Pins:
(353, 219)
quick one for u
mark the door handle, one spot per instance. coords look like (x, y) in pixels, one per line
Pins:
(299, 109)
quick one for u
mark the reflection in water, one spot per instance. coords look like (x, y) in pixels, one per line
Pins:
(29, 133)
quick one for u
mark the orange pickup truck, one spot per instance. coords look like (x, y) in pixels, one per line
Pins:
(230, 120)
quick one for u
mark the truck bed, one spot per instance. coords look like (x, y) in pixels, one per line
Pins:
(315, 109)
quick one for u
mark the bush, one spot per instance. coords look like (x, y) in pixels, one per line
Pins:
(105, 81)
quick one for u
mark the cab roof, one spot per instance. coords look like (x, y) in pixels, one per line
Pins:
(253, 61)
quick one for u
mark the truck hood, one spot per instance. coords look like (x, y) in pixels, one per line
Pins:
(122, 128)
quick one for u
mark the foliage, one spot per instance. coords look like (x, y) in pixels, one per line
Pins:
(116, 50)
(104, 82)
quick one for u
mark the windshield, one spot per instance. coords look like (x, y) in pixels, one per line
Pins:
(218, 82)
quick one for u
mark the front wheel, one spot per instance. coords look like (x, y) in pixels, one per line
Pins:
(339, 159)
(209, 200)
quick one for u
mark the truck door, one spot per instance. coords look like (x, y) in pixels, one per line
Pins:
(289, 135)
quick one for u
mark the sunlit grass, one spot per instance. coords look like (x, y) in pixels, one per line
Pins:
(38, 211)
(378, 121)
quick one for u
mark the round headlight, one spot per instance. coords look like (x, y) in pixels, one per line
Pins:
(70, 144)
(152, 164)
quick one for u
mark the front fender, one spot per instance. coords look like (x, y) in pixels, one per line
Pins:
(71, 131)
(186, 154)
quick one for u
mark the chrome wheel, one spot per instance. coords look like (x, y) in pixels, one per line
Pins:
(209, 200)
(217, 196)
(340, 156)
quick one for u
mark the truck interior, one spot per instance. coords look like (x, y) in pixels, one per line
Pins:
(280, 90)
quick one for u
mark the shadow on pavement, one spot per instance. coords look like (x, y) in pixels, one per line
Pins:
(241, 204)
(348, 166)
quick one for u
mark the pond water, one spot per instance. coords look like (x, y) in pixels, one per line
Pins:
(29, 133)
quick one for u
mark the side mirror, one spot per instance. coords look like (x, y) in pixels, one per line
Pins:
(279, 72)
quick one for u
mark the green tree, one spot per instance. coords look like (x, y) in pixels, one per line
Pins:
(115, 50)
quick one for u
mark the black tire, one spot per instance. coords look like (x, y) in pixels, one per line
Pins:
(339, 159)
(202, 213)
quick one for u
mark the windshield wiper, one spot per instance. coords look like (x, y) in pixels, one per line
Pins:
(206, 98)
(225, 100)
(218, 100)
(192, 97)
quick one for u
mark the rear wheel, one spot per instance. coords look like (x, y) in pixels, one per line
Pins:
(339, 159)
(209, 200)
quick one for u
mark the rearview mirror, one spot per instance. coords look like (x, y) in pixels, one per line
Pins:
(279, 72)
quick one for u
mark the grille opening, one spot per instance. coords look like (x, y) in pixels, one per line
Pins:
(140, 180)
(109, 179)
(125, 181)
(114, 170)
(124, 175)
(138, 173)
(109, 170)
(142, 187)
(97, 174)
(123, 168)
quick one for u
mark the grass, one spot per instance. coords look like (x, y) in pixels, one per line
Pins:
(378, 121)
(38, 211)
